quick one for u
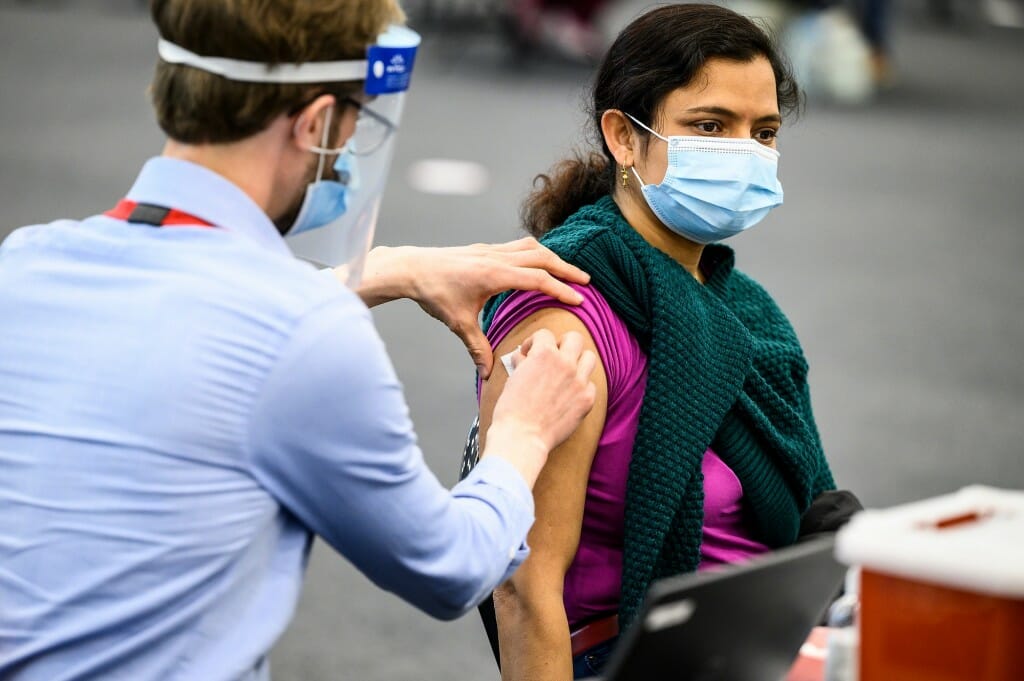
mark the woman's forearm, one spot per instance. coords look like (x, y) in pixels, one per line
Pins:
(533, 634)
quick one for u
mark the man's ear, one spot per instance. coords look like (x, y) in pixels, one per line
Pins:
(619, 136)
(311, 121)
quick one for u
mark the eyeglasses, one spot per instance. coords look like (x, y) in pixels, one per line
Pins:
(372, 129)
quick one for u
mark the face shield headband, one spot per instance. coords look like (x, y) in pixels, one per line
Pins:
(342, 234)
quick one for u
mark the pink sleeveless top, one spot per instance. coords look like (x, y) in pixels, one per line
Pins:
(594, 580)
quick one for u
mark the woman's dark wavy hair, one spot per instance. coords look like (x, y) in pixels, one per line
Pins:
(659, 52)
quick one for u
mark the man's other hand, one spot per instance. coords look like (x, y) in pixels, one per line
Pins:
(452, 284)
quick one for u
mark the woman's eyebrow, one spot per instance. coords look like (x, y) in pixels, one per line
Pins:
(729, 113)
(717, 110)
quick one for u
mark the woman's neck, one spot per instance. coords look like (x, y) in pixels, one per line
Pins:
(640, 217)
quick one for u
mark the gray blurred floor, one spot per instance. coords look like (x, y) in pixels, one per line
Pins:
(897, 255)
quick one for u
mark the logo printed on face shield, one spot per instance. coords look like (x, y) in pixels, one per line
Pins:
(396, 67)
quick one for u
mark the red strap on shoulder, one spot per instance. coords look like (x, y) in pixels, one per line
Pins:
(174, 218)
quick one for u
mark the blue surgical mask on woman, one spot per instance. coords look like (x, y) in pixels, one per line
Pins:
(327, 200)
(714, 187)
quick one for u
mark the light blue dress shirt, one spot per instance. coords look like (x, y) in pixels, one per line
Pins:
(180, 408)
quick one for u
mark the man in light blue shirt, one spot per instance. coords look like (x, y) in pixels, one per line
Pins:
(183, 403)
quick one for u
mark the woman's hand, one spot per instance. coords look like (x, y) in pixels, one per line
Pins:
(452, 284)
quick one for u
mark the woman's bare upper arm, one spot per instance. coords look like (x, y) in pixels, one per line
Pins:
(560, 492)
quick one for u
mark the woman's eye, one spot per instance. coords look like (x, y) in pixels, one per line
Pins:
(766, 135)
(709, 127)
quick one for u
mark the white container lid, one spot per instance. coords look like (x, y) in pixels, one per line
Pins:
(971, 540)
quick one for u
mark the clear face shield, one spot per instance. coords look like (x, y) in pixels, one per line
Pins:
(338, 230)
(344, 241)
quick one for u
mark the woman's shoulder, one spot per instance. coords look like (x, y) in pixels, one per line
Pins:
(618, 349)
(589, 222)
(594, 311)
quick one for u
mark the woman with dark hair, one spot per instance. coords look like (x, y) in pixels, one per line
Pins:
(701, 449)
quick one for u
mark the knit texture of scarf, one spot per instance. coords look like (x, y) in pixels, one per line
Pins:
(725, 370)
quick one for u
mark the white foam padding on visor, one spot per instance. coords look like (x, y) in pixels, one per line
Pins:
(259, 72)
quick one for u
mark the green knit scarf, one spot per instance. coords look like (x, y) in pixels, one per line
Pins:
(725, 370)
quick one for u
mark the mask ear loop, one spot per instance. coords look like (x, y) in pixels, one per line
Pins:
(323, 143)
(322, 150)
(638, 178)
(632, 118)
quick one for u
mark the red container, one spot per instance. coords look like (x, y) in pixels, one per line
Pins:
(942, 588)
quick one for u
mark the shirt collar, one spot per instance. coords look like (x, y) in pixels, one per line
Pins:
(196, 190)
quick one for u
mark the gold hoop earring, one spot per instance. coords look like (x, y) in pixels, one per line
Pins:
(625, 177)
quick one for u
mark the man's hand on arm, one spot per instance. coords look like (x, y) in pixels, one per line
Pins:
(452, 284)
(543, 401)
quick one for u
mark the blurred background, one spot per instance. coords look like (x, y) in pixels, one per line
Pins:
(897, 254)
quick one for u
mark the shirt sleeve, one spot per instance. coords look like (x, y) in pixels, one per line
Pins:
(331, 439)
(618, 350)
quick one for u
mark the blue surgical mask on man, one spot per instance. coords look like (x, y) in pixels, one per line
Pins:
(714, 187)
(327, 200)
